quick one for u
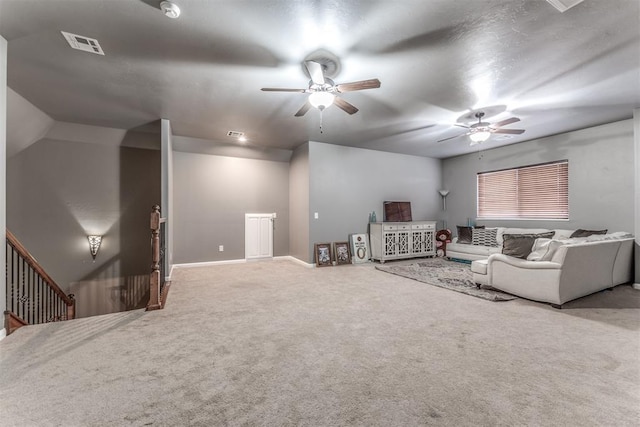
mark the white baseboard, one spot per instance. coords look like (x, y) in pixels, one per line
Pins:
(296, 260)
(3, 333)
(209, 263)
(636, 286)
(240, 261)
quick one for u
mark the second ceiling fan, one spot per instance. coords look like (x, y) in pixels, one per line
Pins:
(323, 91)
(481, 131)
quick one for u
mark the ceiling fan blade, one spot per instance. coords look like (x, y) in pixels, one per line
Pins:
(452, 137)
(506, 122)
(361, 85)
(303, 110)
(315, 72)
(509, 131)
(276, 89)
(344, 105)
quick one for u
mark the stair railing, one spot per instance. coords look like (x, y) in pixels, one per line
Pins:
(159, 288)
(33, 297)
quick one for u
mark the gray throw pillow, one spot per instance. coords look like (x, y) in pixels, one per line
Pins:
(586, 233)
(465, 235)
(519, 245)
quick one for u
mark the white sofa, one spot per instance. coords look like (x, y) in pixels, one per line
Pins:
(578, 267)
(469, 252)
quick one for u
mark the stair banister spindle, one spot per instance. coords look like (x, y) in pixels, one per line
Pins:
(32, 296)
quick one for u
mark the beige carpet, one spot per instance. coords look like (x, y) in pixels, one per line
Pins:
(276, 343)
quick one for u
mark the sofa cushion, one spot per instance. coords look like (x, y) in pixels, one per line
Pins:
(479, 266)
(520, 245)
(484, 237)
(586, 233)
(475, 251)
(465, 233)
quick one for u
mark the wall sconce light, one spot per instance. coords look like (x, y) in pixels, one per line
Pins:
(94, 245)
(444, 194)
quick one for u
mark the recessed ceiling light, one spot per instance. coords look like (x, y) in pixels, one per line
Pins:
(170, 9)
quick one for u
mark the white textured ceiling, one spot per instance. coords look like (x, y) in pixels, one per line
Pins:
(437, 61)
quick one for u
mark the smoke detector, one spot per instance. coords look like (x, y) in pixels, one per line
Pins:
(170, 9)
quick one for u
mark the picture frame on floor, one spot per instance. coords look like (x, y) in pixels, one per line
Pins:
(323, 254)
(359, 248)
(342, 253)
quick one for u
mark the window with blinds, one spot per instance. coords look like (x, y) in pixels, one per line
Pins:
(529, 192)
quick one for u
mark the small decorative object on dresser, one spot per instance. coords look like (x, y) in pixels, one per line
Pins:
(323, 254)
(342, 253)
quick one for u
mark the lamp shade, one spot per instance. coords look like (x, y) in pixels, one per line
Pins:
(321, 100)
(480, 136)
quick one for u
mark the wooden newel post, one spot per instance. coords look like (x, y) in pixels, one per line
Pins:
(154, 278)
(71, 309)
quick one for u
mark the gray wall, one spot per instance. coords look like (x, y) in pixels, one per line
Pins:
(636, 144)
(299, 203)
(346, 184)
(26, 124)
(61, 191)
(601, 176)
(166, 204)
(211, 196)
(3, 154)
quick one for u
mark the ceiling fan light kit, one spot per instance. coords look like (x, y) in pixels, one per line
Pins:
(321, 100)
(170, 10)
(481, 131)
(323, 92)
(480, 136)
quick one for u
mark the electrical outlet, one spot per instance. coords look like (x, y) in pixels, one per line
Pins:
(315, 215)
(221, 248)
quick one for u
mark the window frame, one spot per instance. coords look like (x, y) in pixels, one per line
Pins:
(564, 215)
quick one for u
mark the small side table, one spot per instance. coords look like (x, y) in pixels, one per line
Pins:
(442, 238)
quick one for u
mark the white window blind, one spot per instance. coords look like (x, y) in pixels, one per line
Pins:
(531, 192)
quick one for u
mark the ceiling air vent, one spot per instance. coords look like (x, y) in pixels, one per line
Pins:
(83, 43)
(235, 134)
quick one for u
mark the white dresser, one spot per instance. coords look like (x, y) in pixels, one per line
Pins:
(398, 240)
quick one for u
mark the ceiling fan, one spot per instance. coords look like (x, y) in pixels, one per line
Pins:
(481, 131)
(323, 91)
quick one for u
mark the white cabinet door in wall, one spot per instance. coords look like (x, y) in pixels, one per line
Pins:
(258, 232)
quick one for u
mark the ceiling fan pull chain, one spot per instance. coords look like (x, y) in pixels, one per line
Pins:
(320, 121)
